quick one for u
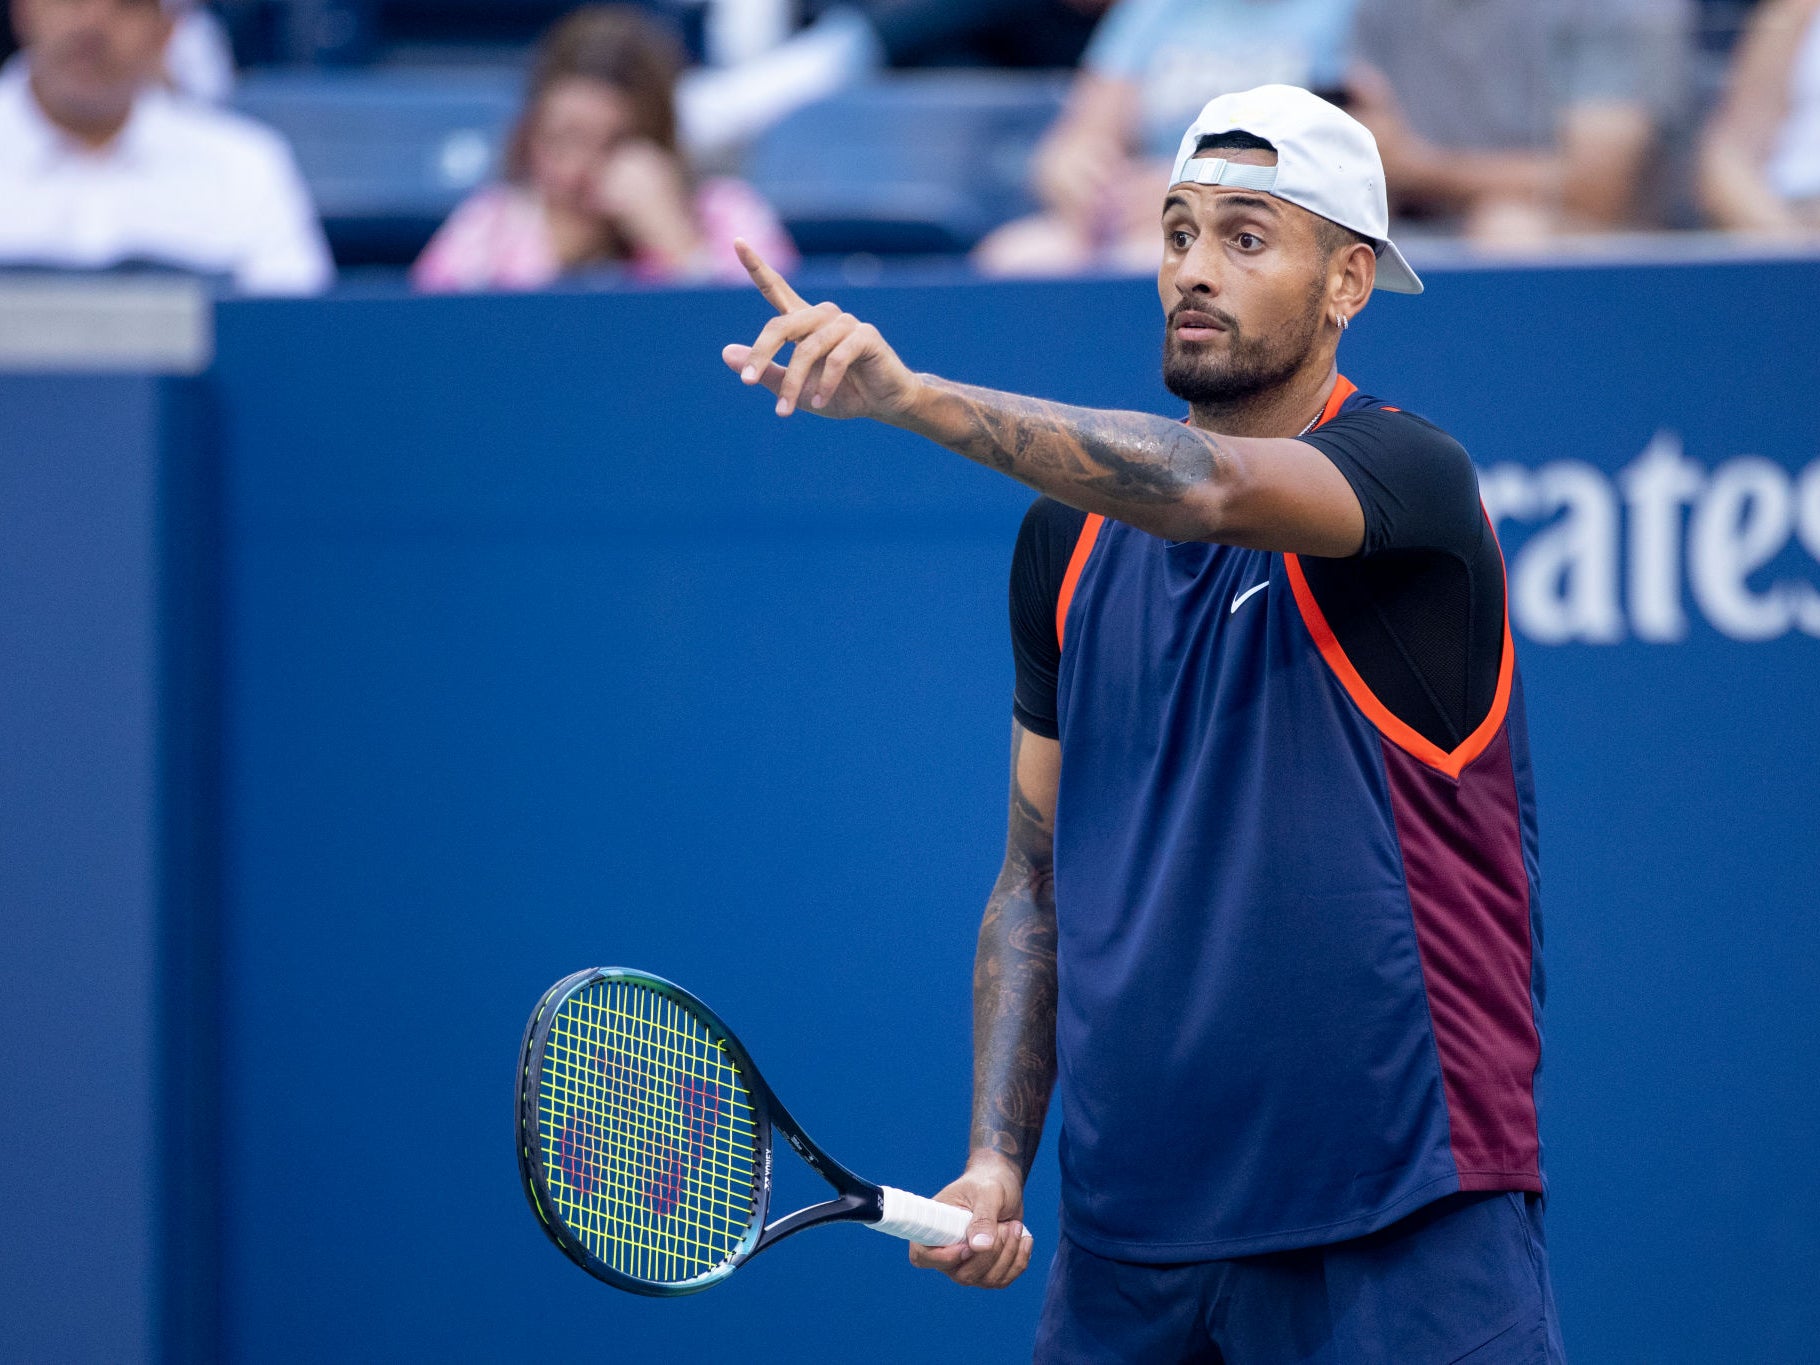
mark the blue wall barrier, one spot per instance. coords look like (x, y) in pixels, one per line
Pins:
(546, 645)
(105, 609)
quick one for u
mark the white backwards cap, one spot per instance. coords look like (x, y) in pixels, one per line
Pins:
(1327, 163)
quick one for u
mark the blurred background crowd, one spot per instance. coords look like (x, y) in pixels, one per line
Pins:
(277, 145)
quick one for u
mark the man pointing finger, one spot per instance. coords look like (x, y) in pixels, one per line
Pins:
(1272, 927)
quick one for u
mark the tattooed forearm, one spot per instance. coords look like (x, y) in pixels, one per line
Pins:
(1142, 469)
(1014, 989)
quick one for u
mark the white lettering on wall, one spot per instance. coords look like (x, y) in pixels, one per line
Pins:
(1509, 493)
(1658, 484)
(1675, 530)
(1807, 526)
(1564, 586)
(1743, 521)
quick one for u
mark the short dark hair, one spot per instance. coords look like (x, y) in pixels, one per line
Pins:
(1238, 140)
(1329, 234)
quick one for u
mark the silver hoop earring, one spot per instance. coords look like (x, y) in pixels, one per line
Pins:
(1344, 321)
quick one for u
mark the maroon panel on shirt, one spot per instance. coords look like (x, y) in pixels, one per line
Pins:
(1469, 893)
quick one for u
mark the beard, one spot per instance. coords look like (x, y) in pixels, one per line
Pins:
(1243, 368)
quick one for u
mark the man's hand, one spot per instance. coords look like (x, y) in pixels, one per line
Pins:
(842, 365)
(998, 1246)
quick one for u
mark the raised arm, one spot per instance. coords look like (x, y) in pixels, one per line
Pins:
(1158, 475)
(1013, 1031)
(1150, 472)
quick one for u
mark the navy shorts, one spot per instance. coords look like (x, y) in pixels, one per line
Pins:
(1464, 1279)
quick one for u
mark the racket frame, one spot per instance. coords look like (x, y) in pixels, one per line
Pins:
(856, 1199)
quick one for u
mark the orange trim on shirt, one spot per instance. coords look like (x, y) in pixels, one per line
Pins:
(1083, 547)
(1453, 762)
(1343, 388)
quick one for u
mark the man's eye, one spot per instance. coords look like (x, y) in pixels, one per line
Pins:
(1179, 240)
(1248, 241)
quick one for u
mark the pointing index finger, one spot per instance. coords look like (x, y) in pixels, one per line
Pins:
(772, 285)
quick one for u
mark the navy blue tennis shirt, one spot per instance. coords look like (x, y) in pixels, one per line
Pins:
(1295, 863)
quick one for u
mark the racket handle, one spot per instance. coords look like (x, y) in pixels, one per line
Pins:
(916, 1219)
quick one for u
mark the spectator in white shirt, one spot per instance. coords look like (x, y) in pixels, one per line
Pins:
(102, 166)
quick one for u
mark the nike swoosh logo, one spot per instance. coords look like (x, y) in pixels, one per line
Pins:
(1240, 600)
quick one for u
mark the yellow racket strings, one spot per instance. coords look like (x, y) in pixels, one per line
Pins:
(648, 1133)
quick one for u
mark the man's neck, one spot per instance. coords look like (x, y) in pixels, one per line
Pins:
(1287, 410)
(96, 133)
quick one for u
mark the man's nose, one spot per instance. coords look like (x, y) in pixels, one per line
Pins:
(1199, 272)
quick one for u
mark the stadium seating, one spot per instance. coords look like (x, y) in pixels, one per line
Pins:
(913, 164)
(920, 163)
(388, 152)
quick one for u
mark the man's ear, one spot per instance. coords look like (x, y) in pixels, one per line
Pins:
(1356, 271)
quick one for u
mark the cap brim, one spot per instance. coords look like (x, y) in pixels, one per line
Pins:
(1394, 273)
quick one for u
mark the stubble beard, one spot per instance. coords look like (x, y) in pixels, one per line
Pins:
(1244, 368)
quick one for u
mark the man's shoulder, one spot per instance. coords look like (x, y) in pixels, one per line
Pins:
(1416, 485)
(1385, 423)
(1360, 402)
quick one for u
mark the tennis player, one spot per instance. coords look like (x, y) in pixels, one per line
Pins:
(1268, 910)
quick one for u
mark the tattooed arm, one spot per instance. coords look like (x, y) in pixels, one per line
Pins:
(1152, 473)
(1014, 968)
(1160, 476)
(1013, 1032)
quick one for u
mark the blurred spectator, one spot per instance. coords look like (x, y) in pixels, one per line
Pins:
(101, 166)
(1101, 170)
(724, 110)
(594, 178)
(1512, 120)
(1760, 159)
(198, 59)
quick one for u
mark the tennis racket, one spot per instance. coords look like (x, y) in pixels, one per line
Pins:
(644, 1141)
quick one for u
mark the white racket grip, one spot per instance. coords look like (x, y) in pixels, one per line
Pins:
(916, 1219)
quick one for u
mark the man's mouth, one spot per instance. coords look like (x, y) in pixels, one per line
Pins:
(1189, 325)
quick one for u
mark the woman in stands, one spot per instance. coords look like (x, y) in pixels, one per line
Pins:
(1760, 162)
(594, 179)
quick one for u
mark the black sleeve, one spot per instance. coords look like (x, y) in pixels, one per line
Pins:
(1414, 482)
(1045, 544)
(1420, 609)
